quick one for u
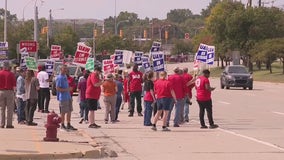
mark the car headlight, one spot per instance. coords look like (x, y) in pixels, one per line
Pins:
(230, 77)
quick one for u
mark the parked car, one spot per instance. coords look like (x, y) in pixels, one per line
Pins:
(74, 71)
(236, 76)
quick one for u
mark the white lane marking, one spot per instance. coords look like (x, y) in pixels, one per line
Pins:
(253, 139)
(223, 102)
(249, 138)
(280, 113)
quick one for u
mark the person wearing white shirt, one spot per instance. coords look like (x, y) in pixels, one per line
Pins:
(44, 93)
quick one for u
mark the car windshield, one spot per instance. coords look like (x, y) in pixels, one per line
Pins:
(236, 69)
(72, 70)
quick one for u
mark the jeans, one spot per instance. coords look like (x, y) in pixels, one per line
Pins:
(30, 109)
(84, 110)
(117, 106)
(147, 113)
(186, 110)
(208, 106)
(21, 109)
(178, 111)
(44, 99)
(135, 95)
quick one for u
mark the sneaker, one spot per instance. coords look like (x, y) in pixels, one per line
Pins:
(46, 111)
(203, 127)
(94, 125)
(69, 127)
(106, 122)
(166, 129)
(140, 114)
(213, 126)
(186, 120)
(63, 127)
(10, 126)
(22, 122)
(176, 125)
(32, 124)
(154, 128)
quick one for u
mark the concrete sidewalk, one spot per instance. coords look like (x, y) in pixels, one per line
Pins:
(26, 142)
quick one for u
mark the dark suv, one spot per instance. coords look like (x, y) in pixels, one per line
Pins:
(236, 76)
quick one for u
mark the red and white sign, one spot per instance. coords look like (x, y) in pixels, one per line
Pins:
(186, 36)
(55, 47)
(31, 46)
(108, 66)
(55, 52)
(82, 54)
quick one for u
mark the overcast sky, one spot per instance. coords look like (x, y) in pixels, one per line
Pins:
(101, 9)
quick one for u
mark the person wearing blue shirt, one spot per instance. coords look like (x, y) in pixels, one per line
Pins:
(64, 98)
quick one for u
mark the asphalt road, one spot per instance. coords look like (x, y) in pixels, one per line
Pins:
(251, 127)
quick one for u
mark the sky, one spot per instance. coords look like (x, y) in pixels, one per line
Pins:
(101, 9)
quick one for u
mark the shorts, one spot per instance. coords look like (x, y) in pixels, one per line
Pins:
(66, 106)
(164, 103)
(92, 104)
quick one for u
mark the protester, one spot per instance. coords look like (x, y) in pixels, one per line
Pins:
(93, 93)
(149, 98)
(71, 83)
(64, 98)
(203, 96)
(31, 87)
(109, 89)
(7, 87)
(82, 86)
(21, 98)
(179, 88)
(190, 82)
(165, 95)
(135, 88)
(44, 93)
(126, 98)
(118, 81)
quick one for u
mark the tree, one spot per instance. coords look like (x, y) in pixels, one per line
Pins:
(68, 40)
(182, 46)
(206, 12)
(179, 15)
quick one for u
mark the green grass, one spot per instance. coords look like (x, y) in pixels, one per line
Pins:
(259, 75)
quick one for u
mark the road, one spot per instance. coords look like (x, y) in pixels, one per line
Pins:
(251, 127)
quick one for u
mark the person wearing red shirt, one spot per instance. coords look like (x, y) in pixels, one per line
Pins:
(7, 87)
(71, 83)
(179, 88)
(149, 97)
(126, 97)
(203, 96)
(135, 88)
(189, 80)
(165, 95)
(93, 93)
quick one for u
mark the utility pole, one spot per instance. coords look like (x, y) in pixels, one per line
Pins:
(259, 3)
(249, 4)
(36, 28)
(5, 23)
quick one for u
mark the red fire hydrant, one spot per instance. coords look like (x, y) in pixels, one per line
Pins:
(53, 121)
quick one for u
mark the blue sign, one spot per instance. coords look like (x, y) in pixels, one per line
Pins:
(146, 63)
(118, 57)
(205, 54)
(49, 65)
(158, 65)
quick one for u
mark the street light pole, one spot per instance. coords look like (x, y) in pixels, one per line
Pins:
(5, 22)
(36, 28)
(115, 28)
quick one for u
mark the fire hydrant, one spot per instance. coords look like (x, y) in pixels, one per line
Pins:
(53, 121)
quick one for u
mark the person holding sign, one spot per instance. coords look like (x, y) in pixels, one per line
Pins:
(135, 89)
(203, 96)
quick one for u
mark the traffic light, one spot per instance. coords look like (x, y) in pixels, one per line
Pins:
(145, 33)
(44, 30)
(121, 33)
(166, 34)
(95, 33)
